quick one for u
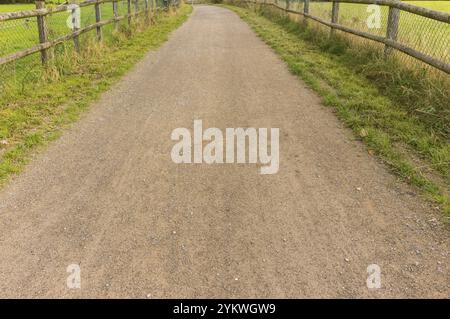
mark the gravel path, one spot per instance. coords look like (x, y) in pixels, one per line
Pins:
(108, 197)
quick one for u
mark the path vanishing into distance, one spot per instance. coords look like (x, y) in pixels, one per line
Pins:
(107, 196)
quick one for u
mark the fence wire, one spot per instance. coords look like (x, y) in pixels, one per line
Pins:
(16, 35)
(21, 34)
(425, 35)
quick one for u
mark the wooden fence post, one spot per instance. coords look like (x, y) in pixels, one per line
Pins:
(42, 29)
(98, 18)
(305, 11)
(153, 10)
(116, 14)
(129, 11)
(334, 16)
(392, 28)
(146, 11)
(76, 40)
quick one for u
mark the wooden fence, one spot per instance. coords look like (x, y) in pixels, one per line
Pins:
(41, 13)
(390, 38)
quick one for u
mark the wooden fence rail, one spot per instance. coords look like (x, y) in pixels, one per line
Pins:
(41, 12)
(46, 11)
(390, 40)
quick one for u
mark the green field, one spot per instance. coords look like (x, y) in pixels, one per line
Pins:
(15, 7)
(20, 34)
(418, 32)
(435, 5)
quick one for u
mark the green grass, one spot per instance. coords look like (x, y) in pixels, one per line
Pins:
(435, 5)
(420, 33)
(17, 35)
(31, 117)
(16, 7)
(374, 97)
(428, 36)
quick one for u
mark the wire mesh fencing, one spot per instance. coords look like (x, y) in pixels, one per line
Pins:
(44, 34)
(427, 35)
(17, 35)
(404, 31)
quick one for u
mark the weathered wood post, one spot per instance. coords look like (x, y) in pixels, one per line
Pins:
(392, 28)
(153, 10)
(75, 24)
(98, 18)
(306, 7)
(287, 7)
(146, 10)
(116, 14)
(334, 16)
(42, 29)
(129, 11)
(305, 11)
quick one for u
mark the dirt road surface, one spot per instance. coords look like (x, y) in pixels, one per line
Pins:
(108, 197)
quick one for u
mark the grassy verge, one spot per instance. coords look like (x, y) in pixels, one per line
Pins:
(37, 114)
(377, 99)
